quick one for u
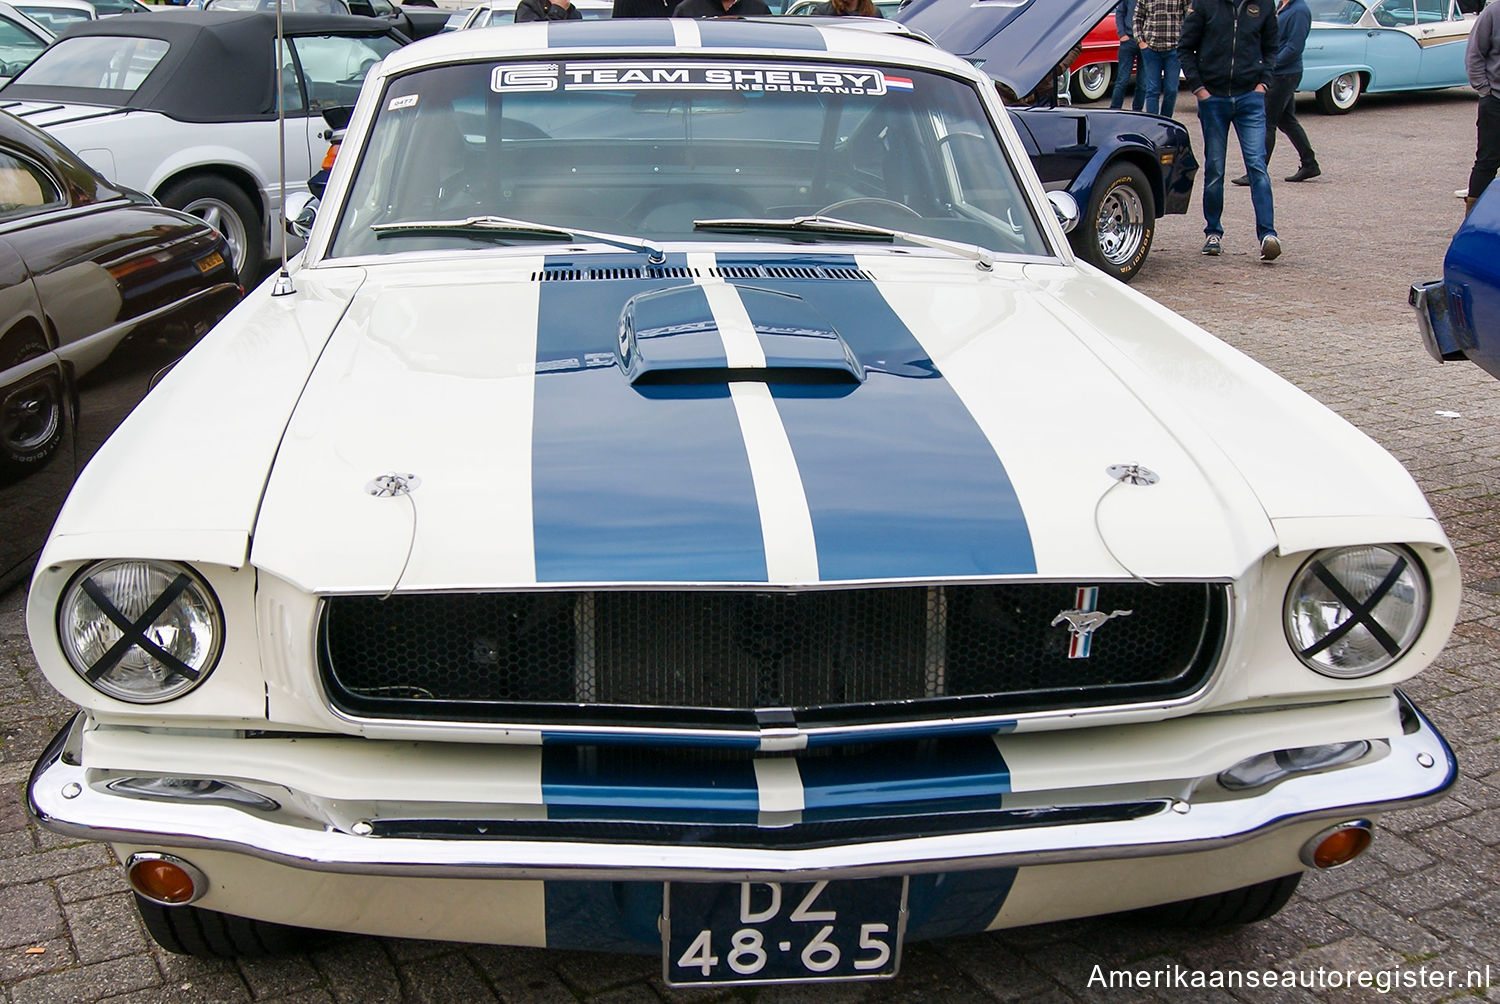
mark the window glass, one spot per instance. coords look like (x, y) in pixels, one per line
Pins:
(18, 47)
(54, 19)
(648, 147)
(1395, 13)
(97, 61)
(1336, 11)
(334, 66)
(1430, 11)
(24, 187)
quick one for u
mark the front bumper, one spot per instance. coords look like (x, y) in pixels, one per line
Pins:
(1140, 800)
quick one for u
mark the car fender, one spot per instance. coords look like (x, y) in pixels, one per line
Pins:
(1315, 77)
(215, 158)
(1135, 150)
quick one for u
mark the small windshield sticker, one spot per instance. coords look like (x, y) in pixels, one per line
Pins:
(405, 101)
(807, 78)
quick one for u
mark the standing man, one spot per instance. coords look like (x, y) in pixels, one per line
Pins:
(547, 10)
(1158, 25)
(1482, 59)
(1228, 48)
(1124, 27)
(1293, 20)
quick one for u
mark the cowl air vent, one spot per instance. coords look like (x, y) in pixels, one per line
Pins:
(786, 272)
(598, 274)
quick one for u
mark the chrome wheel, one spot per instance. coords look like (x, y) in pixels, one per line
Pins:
(222, 217)
(1120, 225)
(1093, 81)
(1340, 94)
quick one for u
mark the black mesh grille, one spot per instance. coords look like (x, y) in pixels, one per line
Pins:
(713, 657)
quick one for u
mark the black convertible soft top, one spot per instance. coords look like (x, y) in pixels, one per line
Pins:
(218, 67)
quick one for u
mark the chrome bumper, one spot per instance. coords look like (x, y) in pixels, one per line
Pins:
(1435, 322)
(1408, 768)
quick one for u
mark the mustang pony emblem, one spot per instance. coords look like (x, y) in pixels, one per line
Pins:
(1085, 620)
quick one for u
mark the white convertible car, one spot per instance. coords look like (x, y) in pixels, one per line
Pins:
(689, 499)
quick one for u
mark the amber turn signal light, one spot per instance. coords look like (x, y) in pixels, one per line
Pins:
(165, 879)
(1338, 845)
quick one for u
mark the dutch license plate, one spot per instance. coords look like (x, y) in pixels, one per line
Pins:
(774, 932)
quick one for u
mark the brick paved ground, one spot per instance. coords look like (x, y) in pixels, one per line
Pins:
(1330, 315)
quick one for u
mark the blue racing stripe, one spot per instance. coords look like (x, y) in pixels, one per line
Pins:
(626, 33)
(631, 484)
(633, 788)
(900, 480)
(971, 768)
(754, 35)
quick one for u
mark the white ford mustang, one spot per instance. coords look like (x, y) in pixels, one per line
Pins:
(688, 499)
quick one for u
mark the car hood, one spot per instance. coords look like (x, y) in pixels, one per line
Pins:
(487, 429)
(1017, 42)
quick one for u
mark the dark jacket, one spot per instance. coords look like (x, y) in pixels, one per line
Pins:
(1293, 22)
(713, 8)
(1125, 19)
(643, 8)
(1228, 46)
(543, 10)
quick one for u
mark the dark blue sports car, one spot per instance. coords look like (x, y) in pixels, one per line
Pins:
(1125, 169)
(1459, 314)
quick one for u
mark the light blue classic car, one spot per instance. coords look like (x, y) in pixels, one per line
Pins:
(1391, 45)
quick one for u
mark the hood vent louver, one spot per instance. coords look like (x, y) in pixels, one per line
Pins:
(598, 274)
(681, 272)
(786, 272)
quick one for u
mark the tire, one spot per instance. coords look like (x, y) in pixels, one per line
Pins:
(191, 930)
(33, 416)
(1339, 95)
(223, 206)
(1115, 231)
(1248, 905)
(1093, 82)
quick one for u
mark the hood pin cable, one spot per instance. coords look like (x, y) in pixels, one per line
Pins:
(395, 485)
(1123, 474)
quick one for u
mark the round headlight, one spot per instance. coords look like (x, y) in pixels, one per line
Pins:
(1352, 611)
(141, 631)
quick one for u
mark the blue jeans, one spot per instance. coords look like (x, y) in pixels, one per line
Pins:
(1123, 69)
(1159, 69)
(1248, 114)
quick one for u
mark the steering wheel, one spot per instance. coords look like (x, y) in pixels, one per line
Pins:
(891, 208)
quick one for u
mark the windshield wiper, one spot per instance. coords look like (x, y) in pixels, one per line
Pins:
(834, 226)
(503, 226)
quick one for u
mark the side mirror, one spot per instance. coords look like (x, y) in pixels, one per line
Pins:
(1066, 208)
(300, 211)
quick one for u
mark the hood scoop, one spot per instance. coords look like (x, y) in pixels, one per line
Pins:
(672, 336)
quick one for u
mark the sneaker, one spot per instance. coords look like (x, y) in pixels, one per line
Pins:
(1242, 180)
(1214, 244)
(1304, 172)
(1270, 248)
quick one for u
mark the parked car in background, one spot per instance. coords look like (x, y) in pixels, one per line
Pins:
(1356, 46)
(800, 8)
(691, 501)
(1092, 75)
(1125, 169)
(128, 95)
(1458, 316)
(100, 290)
(487, 14)
(21, 41)
(55, 15)
(413, 21)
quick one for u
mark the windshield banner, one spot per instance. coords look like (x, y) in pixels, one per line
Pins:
(642, 76)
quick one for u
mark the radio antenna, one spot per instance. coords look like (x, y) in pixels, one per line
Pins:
(283, 278)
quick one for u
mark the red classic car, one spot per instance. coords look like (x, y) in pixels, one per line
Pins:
(1093, 74)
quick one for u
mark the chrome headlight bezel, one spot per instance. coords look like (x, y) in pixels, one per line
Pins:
(92, 639)
(1369, 634)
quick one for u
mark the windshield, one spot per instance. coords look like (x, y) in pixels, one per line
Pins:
(648, 147)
